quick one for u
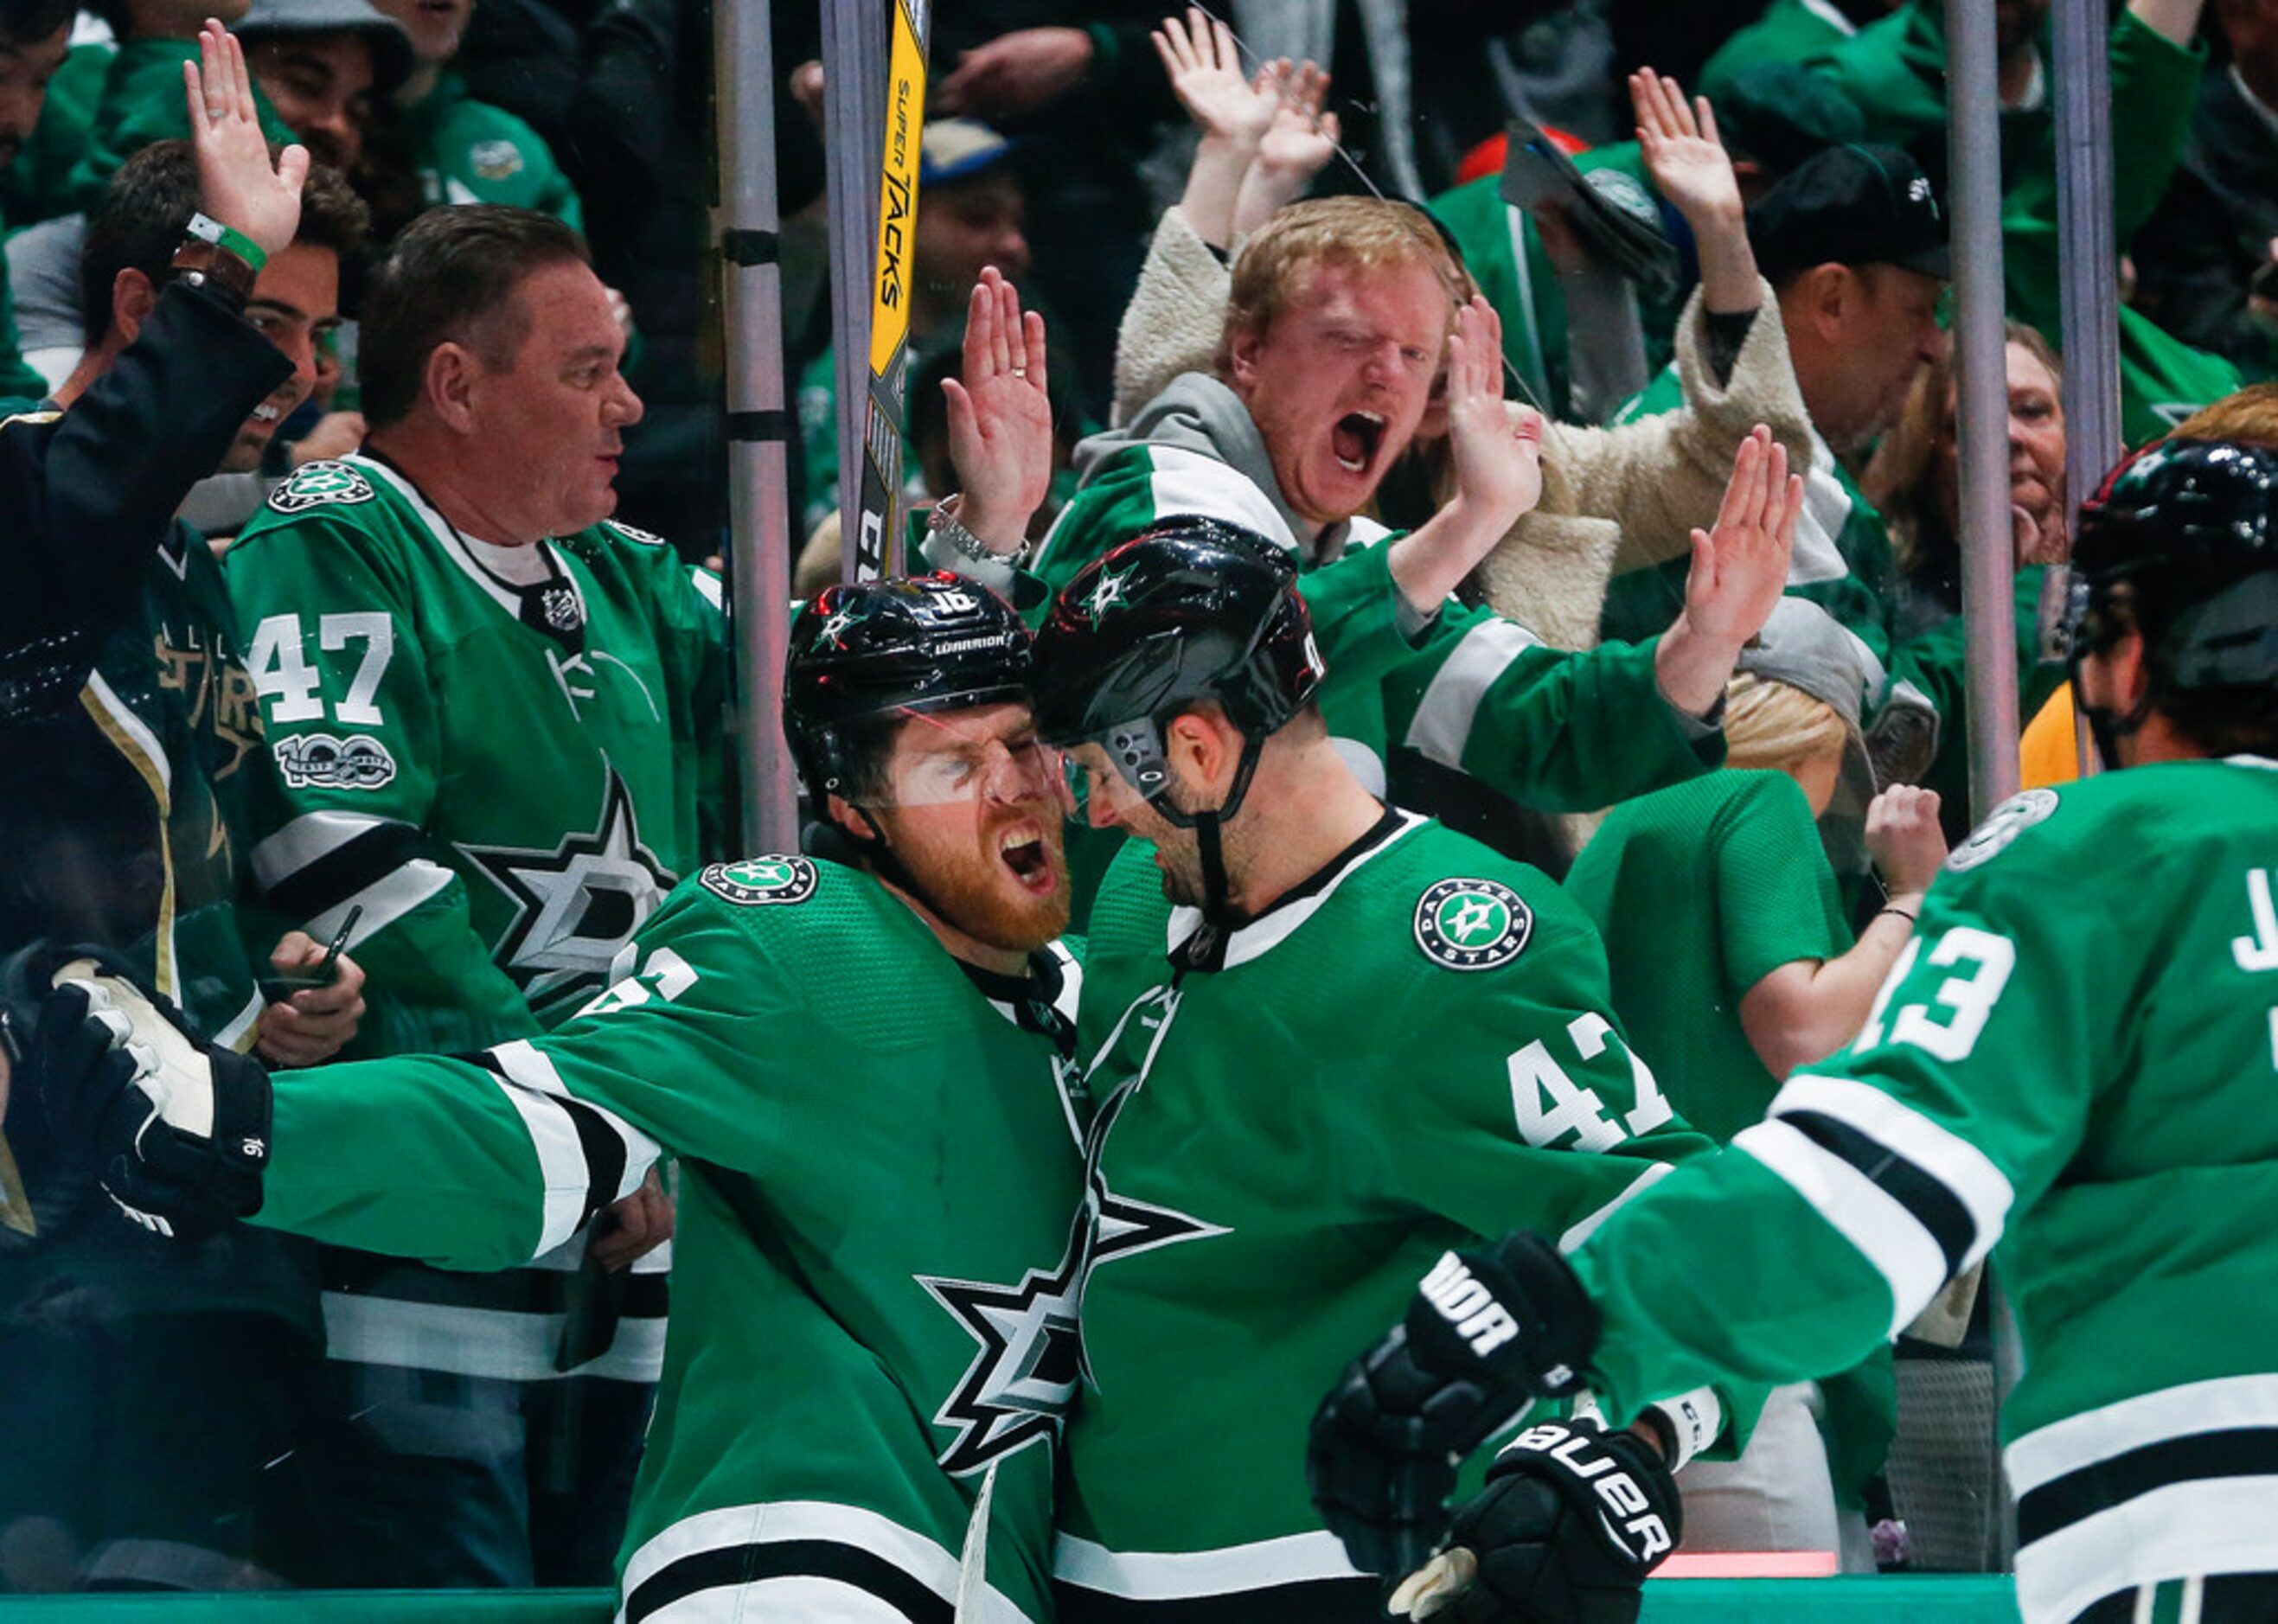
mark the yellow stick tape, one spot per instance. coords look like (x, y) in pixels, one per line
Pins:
(898, 195)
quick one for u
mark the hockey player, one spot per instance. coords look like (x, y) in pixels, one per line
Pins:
(1326, 1041)
(496, 717)
(2097, 1106)
(859, 1065)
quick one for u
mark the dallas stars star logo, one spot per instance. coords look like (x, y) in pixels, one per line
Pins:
(1106, 594)
(1472, 924)
(841, 621)
(1120, 1226)
(575, 905)
(1019, 1385)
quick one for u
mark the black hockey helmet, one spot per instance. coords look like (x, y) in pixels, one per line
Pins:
(879, 648)
(2190, 527)
(1189, 609)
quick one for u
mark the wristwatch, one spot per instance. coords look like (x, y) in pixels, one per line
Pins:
(220, 260)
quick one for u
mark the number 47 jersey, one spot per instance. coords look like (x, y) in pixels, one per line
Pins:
(2077, 1057)
(506, 757)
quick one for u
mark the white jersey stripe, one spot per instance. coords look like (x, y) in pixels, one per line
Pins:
(1182, 481)
(1161, 1576)
(2209, 1526)
(773, 1522)
(1654, 1171)
(1442, 724)
(304, 840)
(496, 1343)
(1958, 1165)
(2222, 1404)
(1885, 1233)
(384, 901)
(525, 1064)
(563, 1174)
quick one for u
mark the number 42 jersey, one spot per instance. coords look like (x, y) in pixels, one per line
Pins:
(506, 755)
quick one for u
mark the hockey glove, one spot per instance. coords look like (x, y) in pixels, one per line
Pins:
(1489, 1332)
(178, 1131)
(1571, 1521)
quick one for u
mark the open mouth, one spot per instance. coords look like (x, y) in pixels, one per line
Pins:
(1024, 853)
(1355, 440)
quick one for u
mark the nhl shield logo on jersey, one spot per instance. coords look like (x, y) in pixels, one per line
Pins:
(317, 484)
(756, 883)
(2002, 824)
(1472, 924)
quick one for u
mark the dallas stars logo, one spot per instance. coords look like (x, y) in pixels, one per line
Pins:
(575, 905)
(1019, 1385)
(1118, 1225)
(1472, 924)
(1106, 593)
(319, 483)
(759, 882)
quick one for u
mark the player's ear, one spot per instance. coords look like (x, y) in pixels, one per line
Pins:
(843, 813)
(1202, 746)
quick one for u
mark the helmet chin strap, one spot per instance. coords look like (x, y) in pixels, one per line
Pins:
(2104, 728)
(1218, 899)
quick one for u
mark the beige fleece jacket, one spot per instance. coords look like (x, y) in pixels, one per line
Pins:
(1612, 498)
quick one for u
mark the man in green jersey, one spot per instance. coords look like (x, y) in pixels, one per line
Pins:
(1326, 1040)
(2098, 1105)
(861, 1064)
(495, 718)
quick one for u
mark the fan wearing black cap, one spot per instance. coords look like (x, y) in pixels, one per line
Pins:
(859, 1063)
(1854, 244)
(2074, 1061)
(1326, 1041)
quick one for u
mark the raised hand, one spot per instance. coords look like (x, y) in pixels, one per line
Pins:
(1000, 415)
(236, 184)
(1497, 449)
(1904, 838)
(1205, 69)
(1682, 151)
(1302, 137)
(1740, 569)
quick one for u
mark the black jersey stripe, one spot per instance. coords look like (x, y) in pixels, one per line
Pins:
(356, 864)
(790, 1559)
(2236, 1452)
(1305, 1601)
(1932, 1203)
(647, 1294)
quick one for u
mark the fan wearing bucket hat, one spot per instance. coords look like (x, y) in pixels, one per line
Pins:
(1732, 965)
(1854, 243)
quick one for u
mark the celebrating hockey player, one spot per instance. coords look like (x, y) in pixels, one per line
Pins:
(2098, 1104)
(1327, 1040)
(859, 1064)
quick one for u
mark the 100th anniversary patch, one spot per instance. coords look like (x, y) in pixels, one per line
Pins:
(759, 882)
(1472, 924)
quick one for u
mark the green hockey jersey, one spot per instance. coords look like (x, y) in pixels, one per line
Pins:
(877, 1241)
(2093, 1092)
(1469, 692)
(505, 776)
(1411, 1049)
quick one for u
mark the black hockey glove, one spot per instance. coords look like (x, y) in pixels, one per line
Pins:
(177, 1131)
(1571, 1521)
(1489, 1332)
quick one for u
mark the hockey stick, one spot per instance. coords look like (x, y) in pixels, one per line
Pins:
(882, 510)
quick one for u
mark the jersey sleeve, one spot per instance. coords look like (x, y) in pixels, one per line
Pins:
(1133, 487)
(1557, 731)
(1879, 1175)
(490, 1160)
(349, 710)
(1774, 889)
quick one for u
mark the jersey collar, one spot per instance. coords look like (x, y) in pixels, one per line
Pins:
(453, 545)
(1194, 945)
